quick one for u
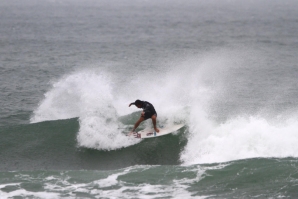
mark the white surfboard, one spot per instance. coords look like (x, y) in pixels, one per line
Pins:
(150, 133)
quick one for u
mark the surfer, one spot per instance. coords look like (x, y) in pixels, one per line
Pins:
(148, 112)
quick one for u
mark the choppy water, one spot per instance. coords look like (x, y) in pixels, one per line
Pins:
(227, 69)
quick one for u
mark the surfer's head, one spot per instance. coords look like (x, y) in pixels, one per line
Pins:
(138, 103)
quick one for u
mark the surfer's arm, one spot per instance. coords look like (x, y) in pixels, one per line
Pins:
(131, 104)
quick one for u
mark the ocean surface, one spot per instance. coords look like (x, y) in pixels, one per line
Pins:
(227, 69)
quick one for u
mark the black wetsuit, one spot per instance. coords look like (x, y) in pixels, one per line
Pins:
(148, 109)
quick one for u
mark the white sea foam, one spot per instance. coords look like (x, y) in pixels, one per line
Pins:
(241, 138)
(24, 193)
(113, 186)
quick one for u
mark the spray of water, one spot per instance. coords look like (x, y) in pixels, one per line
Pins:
(88, 96)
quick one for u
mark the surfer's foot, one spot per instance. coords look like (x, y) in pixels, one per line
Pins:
(130, 133)
(156, 129)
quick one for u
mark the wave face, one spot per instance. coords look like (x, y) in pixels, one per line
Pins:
(53, 145)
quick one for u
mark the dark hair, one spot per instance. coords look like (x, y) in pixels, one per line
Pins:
(138, 102)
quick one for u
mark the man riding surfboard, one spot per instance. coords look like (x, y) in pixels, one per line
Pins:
(148, 112)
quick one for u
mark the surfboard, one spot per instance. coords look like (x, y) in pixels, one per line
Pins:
(150, 133)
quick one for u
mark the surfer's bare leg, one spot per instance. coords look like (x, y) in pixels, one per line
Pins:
(138, 123)
(154, 123)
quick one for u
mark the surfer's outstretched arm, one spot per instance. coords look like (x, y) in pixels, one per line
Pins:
(138, 123)
(131, 104)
